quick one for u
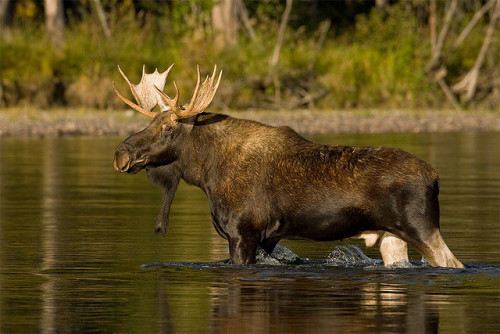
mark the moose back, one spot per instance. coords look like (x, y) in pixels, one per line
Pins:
(266, 183)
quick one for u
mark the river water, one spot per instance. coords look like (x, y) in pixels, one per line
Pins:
(78, 254)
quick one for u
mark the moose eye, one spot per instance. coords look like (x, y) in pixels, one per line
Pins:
(166, 129)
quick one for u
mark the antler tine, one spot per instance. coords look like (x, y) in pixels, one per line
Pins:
(205, 92)
(172, 103)
(211, 89)
(131, 85)
(189, 111)
(167, 71)
(202, 96)
(208, 90)
(132, 104)
(144, 92)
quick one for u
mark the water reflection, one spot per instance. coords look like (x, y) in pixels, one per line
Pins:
(73, 234)
(50, 185)
(289, 308)
(297, 300)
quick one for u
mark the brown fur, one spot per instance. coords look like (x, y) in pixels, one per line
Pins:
(267, 183)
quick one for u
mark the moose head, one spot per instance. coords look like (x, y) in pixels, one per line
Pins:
(160, 142)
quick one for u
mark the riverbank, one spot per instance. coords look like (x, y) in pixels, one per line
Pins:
(87, 122)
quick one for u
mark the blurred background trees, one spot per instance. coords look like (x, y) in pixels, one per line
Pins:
(275, 53)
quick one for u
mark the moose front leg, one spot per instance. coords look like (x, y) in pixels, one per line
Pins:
(167, 177)
(163, 217)
(242, 250)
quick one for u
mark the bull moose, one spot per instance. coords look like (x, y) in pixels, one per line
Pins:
(267, 183)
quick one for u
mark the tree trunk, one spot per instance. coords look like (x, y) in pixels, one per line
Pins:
(54, 20)
(5, 12)
(102, 18)
(225, 22)
(273, 61)
(381, 4)
(432, 24)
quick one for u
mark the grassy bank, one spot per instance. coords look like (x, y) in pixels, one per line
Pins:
(378, 62)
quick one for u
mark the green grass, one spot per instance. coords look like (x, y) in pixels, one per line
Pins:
(379, 65)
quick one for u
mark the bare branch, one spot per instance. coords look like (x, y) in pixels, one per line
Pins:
(436, 54)
(281, 36)
(469, 82)
(475, 19)
(439, 76)
(432, 24)
(243, 13)
(102, 18)
(449, 94)
(325, 27)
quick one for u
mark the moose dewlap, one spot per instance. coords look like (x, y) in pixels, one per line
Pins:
(266, 183)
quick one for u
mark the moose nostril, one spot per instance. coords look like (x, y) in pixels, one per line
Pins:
(122, 162)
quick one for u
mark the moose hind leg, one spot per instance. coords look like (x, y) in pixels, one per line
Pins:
(437, 253)
(393, 249)
(418, 224)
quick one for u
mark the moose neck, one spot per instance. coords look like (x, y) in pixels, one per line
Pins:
(218, 146)
(204, 148)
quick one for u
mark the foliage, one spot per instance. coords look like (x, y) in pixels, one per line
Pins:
(377, 59)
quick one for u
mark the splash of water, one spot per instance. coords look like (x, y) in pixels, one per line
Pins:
(280, 256)
(349, 255)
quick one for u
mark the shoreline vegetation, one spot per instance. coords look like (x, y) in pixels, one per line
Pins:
(343, 66)
(275, 54)
(22, 122)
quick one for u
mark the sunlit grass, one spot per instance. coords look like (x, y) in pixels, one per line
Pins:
(379, 65)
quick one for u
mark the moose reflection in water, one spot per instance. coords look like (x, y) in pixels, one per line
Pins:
(241, 302)
(267, 183)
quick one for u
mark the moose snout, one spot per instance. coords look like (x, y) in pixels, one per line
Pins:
(122, 160)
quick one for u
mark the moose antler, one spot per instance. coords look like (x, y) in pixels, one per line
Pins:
(202, 96)
(145, 91)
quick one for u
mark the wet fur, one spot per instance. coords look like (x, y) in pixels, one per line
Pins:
(268, 183)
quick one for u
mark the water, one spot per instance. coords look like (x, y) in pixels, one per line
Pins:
(77, 252)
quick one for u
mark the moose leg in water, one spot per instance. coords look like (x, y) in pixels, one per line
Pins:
(393, 249)
(168, 178)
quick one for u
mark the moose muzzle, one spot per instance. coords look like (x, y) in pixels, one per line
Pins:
(122, 160)
(127, 159)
